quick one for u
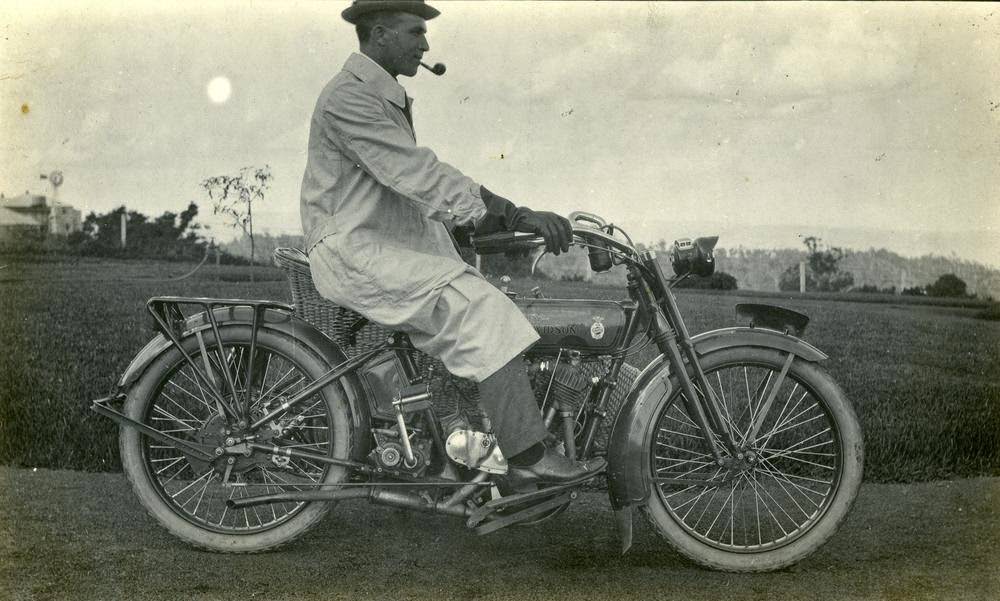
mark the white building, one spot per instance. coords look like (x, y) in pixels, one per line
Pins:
(33, 212)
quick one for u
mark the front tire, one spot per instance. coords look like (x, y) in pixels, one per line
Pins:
(794, 485)
(185, 494)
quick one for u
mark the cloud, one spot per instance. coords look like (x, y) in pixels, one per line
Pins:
(844, 54)
(827, 53)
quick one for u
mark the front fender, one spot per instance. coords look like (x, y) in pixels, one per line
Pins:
(275, 319)
(628, 464)
(715, 340)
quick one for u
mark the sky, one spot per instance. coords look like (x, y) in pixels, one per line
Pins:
(869, 124)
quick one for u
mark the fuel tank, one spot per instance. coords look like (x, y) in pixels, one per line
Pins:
(593, 327)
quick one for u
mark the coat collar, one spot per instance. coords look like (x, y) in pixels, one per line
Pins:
(372, 73)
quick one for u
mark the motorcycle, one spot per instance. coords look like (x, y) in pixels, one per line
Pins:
(244, 422)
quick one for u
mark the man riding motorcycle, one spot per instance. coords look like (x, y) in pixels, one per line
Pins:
(378, 210)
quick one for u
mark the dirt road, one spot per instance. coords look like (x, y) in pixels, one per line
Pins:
(74, 535)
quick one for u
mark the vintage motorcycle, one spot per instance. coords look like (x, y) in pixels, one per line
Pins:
(243, 422)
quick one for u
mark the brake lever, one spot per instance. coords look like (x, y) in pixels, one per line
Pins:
(578, 216)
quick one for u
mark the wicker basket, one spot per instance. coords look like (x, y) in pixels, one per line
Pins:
(451, 394)
(333, 320)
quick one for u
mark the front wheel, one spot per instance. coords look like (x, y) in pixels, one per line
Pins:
(789, 486)
(188, 495)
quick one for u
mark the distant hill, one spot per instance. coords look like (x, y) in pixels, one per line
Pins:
(757, 269)
(760, 269)
(753, 268)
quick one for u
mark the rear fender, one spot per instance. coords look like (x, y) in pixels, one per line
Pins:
(274, 319)
(628, 465)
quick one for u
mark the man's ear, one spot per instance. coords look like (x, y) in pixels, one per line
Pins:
(378, 35)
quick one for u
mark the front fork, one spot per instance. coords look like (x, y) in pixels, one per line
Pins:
(673, 340)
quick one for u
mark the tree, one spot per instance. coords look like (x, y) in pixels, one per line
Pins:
(948, 285)
(234, 195)
(168, 237)
(822, 273)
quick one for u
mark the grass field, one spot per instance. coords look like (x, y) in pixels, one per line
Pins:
(925, 379)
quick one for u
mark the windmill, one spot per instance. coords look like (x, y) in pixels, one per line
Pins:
(55, 179)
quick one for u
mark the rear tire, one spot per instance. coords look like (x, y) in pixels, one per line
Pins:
(185, 494)
(797, 483)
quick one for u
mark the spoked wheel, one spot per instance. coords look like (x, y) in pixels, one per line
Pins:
(187, 494)
(789, 486)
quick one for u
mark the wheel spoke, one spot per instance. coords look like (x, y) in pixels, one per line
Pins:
(721, 509)
(805, 450)
(267, 396)
(168, 466)
(193, 482)
(789, 495)
(676, 465)
(779, 424)
(190, 394)
(684, 434)
(767, 507)
(670, 446)
(263, 382)
(774, 473)
(785, 428)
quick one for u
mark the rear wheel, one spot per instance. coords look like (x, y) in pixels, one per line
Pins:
(789, 487)
(188, 495)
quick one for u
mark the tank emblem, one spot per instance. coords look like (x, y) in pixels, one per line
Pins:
(597, 328)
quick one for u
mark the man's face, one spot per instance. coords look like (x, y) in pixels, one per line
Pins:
(405, 44)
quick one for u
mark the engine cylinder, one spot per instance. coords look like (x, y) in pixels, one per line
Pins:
(568, 386)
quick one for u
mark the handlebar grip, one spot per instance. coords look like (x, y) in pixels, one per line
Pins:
(505, 241)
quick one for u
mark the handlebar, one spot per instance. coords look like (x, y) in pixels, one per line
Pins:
(593, 232)
(687, 257)
(513, 241)
(602, 245)
(491, 244)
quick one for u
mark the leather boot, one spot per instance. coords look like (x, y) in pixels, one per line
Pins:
(555, 468)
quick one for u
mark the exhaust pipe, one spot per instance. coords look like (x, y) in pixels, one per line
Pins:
(378, 496)
(303, 495)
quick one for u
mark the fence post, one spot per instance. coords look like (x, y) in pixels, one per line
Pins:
(802, 277)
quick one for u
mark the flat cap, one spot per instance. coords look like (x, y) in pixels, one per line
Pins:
(363, 7)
